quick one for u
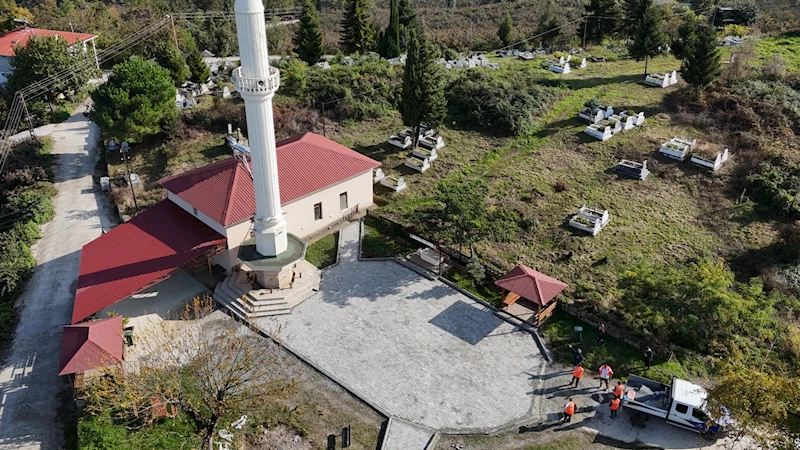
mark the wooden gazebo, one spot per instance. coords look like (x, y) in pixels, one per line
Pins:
(529, 294)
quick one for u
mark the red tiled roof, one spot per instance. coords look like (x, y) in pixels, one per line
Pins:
(137, 254)
(306, 163)
(21, 36)
(532, 285)
(91, 344)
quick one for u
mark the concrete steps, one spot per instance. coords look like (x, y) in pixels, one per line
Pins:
(236, 293)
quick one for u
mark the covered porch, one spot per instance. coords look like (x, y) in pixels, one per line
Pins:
(529, 294)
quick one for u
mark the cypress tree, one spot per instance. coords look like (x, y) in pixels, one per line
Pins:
(702, 64)
(408, 17)
(358, 34)
(681, 46)
(634, 11)
(506, 31)
(167, 56)
(389, 44)
(648, 38)
(308, 40)
(596, 30)
(198, 68)
(423, 101)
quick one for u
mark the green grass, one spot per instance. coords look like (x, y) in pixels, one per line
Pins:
(787, 47)
(468, 284)
(624, 359)
(322, 253)
(379, 242)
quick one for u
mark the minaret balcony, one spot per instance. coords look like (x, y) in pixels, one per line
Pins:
(266, 85)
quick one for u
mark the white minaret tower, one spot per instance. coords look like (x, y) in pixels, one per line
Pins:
(257, 82)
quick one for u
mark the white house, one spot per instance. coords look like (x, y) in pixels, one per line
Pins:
(21, 36)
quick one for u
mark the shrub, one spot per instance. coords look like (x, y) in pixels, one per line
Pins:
(776, 186)
(775, 68)
(449, 54)
(504, 104)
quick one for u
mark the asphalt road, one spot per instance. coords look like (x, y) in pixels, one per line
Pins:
(31, 390)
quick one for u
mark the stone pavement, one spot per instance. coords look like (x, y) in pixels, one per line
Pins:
(402, 435)
(413, 348)
(29, 381)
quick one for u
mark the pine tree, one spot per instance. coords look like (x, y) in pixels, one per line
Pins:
(549, 21)
(358, 33)
(702, 64)
(408, 17)
(198, 68)
(634, 11)
(681, 46)
(506, 31)
(167, 56)
(423, 101)
(389, 43)
(308, 40)
(649, 39)
(594, 29)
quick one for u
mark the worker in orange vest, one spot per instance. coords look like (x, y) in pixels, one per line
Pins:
(577, 374)
(619, 389)
(615, 406)
(569, 410)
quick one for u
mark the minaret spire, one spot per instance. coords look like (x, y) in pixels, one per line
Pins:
(257, 82)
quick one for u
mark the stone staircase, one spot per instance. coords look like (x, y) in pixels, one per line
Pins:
(237, 294)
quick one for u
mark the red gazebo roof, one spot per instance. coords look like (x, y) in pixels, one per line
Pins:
(532, 285)
(91, 344)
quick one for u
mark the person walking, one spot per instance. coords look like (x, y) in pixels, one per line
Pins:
(619, 389)
(601, 334)
(614, 407)
(605, 374)
(577, 356)
(569, 410)
(648, 357)
(577, 374)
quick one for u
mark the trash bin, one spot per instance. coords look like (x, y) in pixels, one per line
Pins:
(578, 330)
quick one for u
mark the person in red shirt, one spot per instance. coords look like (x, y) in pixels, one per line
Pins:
(605, 374)
(569, 410)
(614, 407)
(619, 389)
(577, 374)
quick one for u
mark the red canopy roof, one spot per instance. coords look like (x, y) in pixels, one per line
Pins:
(532, 285)
(21, 37)
(306, 163)
(91, 344)
(137, 254)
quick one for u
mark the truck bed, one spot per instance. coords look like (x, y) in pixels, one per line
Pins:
(651, 396)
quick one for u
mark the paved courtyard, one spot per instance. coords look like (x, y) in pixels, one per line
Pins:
(413, 348)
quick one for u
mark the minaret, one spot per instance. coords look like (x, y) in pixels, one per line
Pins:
(257, 82)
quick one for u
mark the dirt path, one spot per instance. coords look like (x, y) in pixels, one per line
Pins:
(29, 381)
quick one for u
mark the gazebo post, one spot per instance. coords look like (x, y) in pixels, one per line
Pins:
(539, 315)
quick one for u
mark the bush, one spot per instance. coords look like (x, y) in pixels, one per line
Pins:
(504, 104)
(776, 186)
(449, 54)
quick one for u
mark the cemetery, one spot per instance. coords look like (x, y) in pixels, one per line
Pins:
(594, 112)
(424, 153)
(662, 81)
(677, 148)
(709, 157)
(396, 184)
(401, 140)
(418, 164)
(590, 220)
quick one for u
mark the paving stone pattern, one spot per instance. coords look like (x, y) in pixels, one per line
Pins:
(413, 348)
(401, 435)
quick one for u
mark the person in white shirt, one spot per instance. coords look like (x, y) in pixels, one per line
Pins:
(605, 374)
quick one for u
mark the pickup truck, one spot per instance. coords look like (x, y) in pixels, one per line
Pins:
(681, 404)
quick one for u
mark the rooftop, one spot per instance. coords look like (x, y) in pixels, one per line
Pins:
(21, 36)
(90, 345)
(532, 285)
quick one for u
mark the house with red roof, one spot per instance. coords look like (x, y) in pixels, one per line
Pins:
(207, 214)
(20, 37)
(87, 347)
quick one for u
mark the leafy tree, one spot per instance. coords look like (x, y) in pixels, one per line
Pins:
(598, 29)
(634, 11)
(43, 57)
(422, 101)
(702, 65)
(10, 11)
(506, 31)
(294, 78)
(389, 42)
(200, 72)
(358, 33)
(763, 415)
(681, 45)
(408, 17)
(168, 57)
(211, 370)
(547, 24)
(308, 40)
(648, 38)
(138, 100)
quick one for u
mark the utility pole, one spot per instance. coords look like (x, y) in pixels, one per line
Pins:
(585, 26)
(27, 115)
(323, 120)
(123, 150)
(174, 33)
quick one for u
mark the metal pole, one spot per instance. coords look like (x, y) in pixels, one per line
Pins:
(585, 26)
(174, 33)
(130, 181)
(324, 128)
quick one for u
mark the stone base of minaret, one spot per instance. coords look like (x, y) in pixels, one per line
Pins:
(268, 286)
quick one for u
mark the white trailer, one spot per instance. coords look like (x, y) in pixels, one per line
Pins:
(682, 404)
